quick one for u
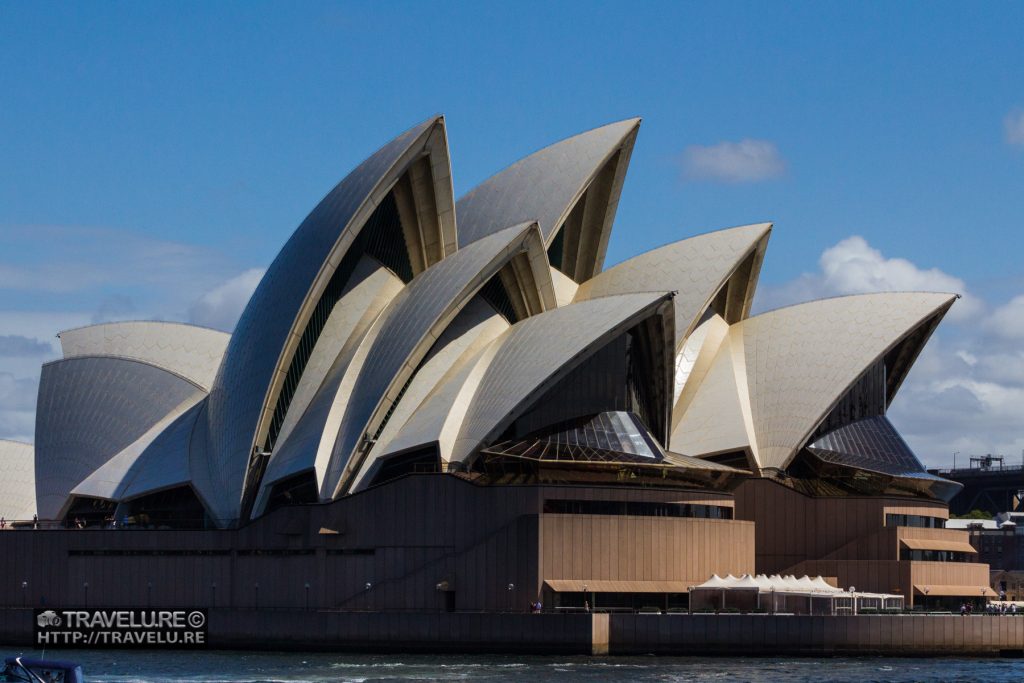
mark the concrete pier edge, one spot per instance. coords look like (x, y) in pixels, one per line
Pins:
(596, 634)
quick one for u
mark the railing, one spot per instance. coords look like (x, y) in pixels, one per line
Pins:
(979, 471)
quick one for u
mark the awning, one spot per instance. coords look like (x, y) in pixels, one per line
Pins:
(602, 586)
(957, 591)
(932, 544)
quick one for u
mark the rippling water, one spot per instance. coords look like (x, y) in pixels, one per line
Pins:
(245, 667)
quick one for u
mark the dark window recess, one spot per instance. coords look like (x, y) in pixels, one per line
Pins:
(299, 489)
(557, 249)
(168, 552)
(495, 294)
(276, 552)
(420, 460)
(906, 554)
(91, 512)
(737, 459)
(866, 398)
(919, 521)
(381, 238)
(177, 508)
(636, 509)
(351, 551)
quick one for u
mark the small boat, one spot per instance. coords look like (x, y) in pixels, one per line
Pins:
(25, 670)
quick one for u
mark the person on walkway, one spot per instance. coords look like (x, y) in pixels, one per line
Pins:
(963, 609)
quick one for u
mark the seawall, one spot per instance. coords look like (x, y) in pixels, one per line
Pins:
(664, 634)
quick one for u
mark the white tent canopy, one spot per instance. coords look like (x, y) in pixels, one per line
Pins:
(804, 590)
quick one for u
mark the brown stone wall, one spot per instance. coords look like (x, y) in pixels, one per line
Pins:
(426, 542)
(644, 548)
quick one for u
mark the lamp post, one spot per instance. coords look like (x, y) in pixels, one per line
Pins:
(367, 587)
(307, 595)
(511, 587)
(85, 586)
(256, 591)
(213, 594)
(586, 598)
(24, 593)
(149, 594)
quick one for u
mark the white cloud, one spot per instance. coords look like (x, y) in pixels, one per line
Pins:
(220, 307)
(734, 162)
(966, 390)
(1007, 322)
(855, 267)
(1013, 127)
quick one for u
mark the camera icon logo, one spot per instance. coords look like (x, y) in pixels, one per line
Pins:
(48, 618)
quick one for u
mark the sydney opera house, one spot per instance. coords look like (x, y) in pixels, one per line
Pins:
(431, 404)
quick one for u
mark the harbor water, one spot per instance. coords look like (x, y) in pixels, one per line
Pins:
(112, 666)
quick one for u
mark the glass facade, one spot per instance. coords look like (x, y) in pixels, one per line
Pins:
(919, 521)
(907, 554)
(636, 509)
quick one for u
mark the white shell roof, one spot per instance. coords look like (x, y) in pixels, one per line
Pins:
(694, 268)
(156, 460)
(411, 324)
(533, 354)
(791, 366)
(260, 352)
(17, 481)
(543, 186)
(90, 408)
(476, 326)
(193, 352)
(307, 444)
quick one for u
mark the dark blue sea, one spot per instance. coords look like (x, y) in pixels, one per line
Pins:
(244, 667)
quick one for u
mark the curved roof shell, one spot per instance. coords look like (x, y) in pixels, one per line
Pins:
(476, 326)
(475, 399)
(308, 434)
(244, 396)
(156, 460)
(410, 326)
(534, 354)
(584, 172)
(791, 366)
(696, 269)
(17, 481)
(90, 408)
(193, 352)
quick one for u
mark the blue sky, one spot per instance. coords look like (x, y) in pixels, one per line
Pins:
(155, 156)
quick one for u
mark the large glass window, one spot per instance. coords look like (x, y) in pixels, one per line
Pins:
(915, 521)
(934, 556)
(636, 508)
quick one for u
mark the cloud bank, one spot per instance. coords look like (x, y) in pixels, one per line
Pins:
(220, 307)
(72, 276)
